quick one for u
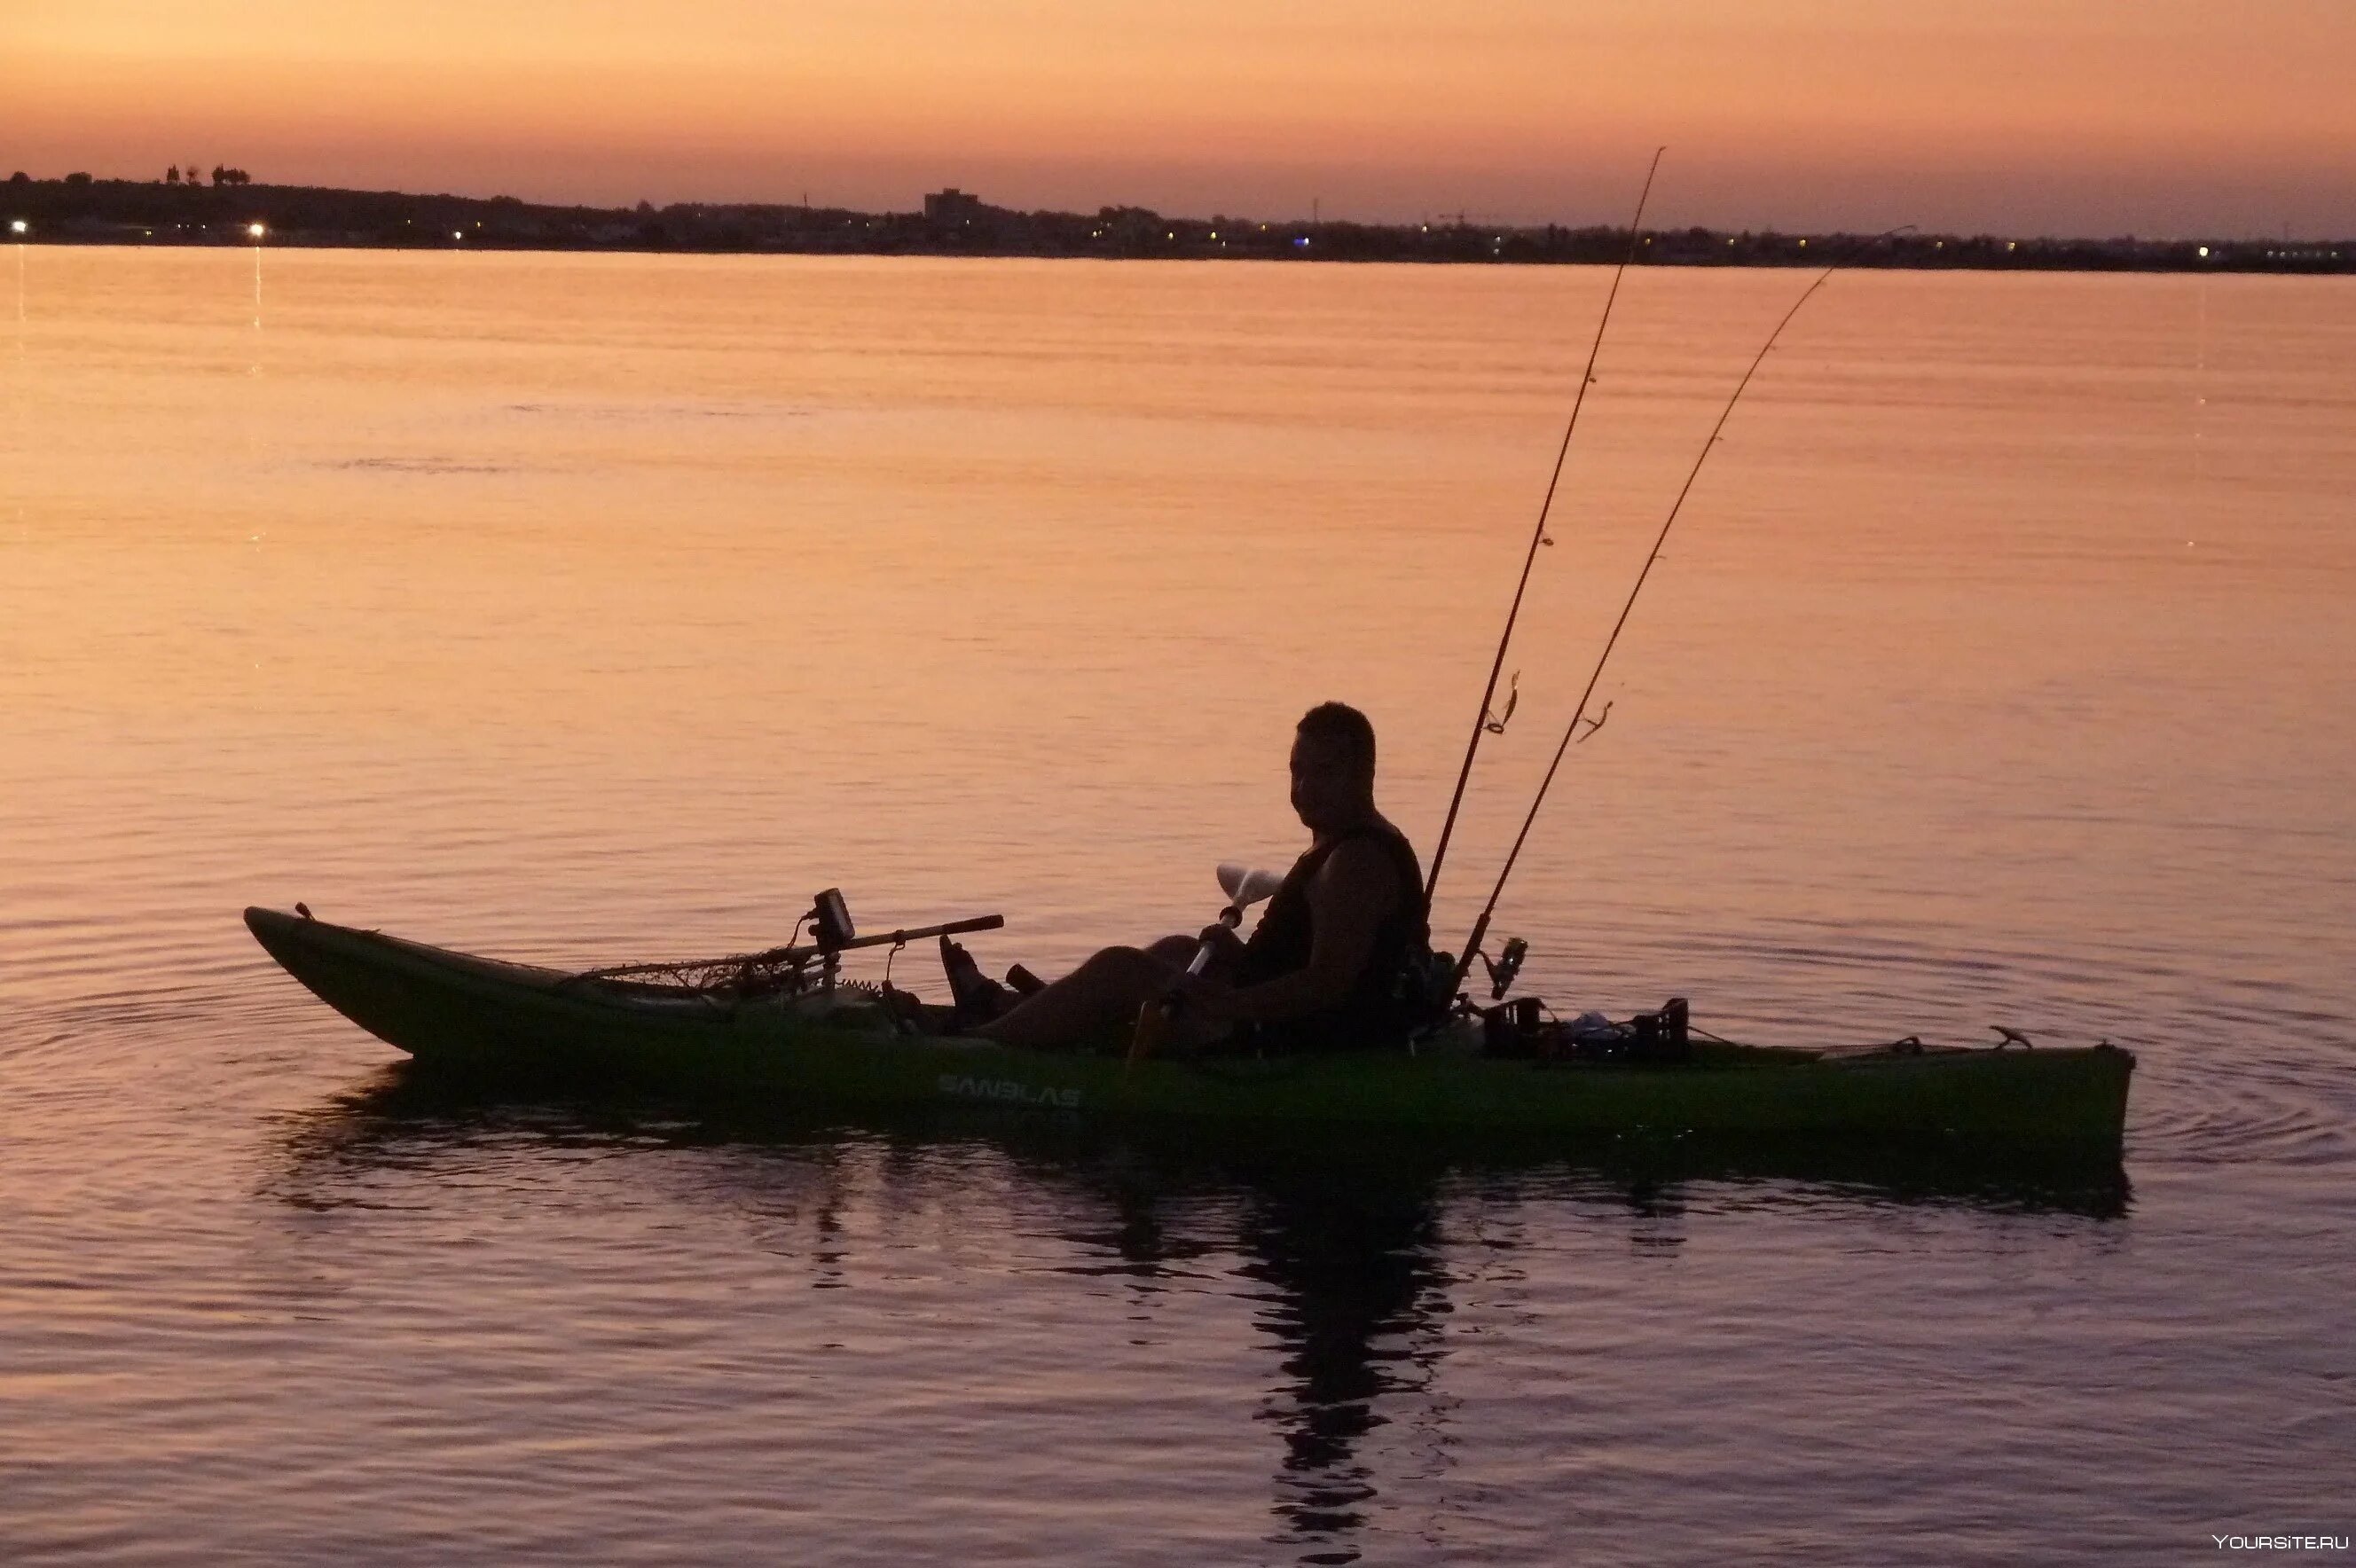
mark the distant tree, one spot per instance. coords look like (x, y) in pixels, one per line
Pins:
(20, 177)
(77, 178)
(172, 175)
(218, 172)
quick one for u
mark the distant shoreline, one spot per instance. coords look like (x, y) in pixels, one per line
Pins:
(81, 210)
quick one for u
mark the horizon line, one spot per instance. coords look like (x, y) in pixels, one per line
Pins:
(1460, 219)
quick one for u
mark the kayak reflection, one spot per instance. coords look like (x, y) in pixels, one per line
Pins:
(1350, 1247)
(409, 1106)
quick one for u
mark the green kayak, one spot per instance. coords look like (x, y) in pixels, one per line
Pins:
(454, 1011)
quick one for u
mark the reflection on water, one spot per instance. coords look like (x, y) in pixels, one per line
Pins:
(407, 1114)
(1354, 1287)
(1337, 1240)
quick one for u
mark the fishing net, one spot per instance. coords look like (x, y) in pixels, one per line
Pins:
(739, 975)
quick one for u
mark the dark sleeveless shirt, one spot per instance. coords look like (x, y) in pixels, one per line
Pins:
(1372, 1013)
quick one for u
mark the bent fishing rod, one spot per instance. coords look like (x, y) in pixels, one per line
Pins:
(1484, 722)
(1573, 731)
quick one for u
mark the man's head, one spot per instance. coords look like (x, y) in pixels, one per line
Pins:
(1333, 766)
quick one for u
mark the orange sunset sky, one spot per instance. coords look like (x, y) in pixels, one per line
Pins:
(2062, 116)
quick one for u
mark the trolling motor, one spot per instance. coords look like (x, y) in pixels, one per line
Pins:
(782, 970)
(831, 931)
(830, 922)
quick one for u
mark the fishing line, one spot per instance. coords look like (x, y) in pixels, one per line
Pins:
(1484, 722)
(1573, 733)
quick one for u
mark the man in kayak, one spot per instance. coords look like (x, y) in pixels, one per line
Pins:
(1323, 970)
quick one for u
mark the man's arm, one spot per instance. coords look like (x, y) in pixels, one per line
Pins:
(1351, 896)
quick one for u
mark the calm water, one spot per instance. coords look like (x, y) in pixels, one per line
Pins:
(585, 609)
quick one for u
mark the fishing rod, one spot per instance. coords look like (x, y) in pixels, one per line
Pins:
(1483, 721)
(1573, 731)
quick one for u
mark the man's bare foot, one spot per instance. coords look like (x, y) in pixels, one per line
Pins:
(979, 997)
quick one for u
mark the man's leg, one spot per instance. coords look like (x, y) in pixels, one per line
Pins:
(1176, 951)
(1092, 1001)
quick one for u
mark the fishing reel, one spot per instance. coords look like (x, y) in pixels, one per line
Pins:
(1503, 967)
(1429, 988)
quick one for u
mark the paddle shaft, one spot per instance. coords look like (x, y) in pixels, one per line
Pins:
(1153, 1019)
(1230, 917)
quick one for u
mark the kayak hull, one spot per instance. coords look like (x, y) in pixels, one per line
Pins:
(456, 1011)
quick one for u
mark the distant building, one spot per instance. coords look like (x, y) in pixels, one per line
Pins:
(953, 207)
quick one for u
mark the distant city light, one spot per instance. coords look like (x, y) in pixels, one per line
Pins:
(256, 229)
(457, 234)
(2204, 250)
(18, 225)
(1303, 242)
